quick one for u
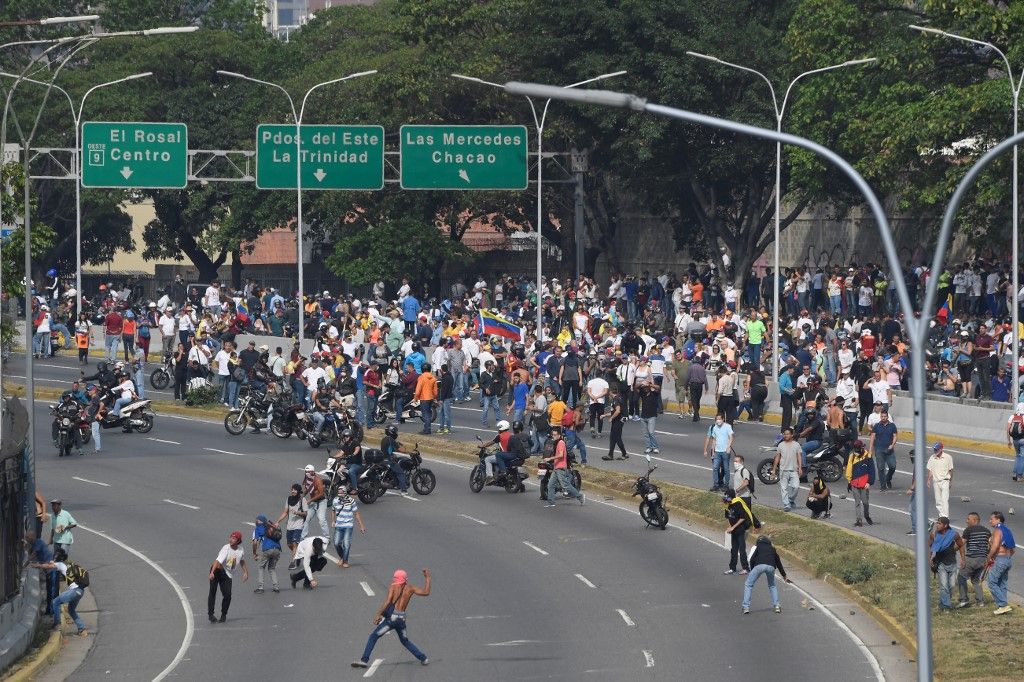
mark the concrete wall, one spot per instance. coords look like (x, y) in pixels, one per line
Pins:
(19, 618)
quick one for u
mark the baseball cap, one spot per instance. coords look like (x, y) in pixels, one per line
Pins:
(235, 535)
(858, 443)
(937, 446)
(309, 467)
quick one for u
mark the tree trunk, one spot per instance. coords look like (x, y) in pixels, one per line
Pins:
(236, 269)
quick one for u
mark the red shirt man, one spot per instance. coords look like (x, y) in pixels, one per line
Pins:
(113, 324)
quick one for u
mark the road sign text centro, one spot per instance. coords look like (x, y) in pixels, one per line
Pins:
(151, 155)
(463, 157)
(332, 156)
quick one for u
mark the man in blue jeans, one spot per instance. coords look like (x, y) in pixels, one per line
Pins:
(945, 543)
(1000, 561)
(391, 616)
(720, 436)
(72, 595)
(764, 560)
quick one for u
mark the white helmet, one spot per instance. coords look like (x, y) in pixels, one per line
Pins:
(503, 425)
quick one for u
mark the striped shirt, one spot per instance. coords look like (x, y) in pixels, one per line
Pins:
(976, 538)
(345, 508)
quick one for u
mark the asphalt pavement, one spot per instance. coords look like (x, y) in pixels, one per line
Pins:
(520, 591)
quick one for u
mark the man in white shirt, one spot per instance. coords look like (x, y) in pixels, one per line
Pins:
(221, 571)
(223, 372)
(309, 556)
(211, 299)
(404, 290)
(597, 391)
(199, 353)
(168, 325)
(881, 392)
(846, 388)
(940, 477)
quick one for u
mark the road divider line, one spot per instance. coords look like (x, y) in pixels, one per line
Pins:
(373, 667)
(190, 625)
(626, 619)
(405, 497)
(473, 519)
(648, 658)
(586, 582)
(516, 642)
(226, 452)
(181, 504)
(1003, 492)
(367, 589)
(161, 440)
(535, 548)
(86, 480)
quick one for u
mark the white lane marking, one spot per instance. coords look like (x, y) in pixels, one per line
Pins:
(190, 625)
(516, 642)
(405, 497)
(373, 667)
(483, 617)
(648, 658)
(626, 619)
(367, 589)
(669, 433)
(181, 504)
(1003, 492)
(473, 519)
(586, 582)
(226, 452)
(535, 548)
(161, 440)
(86, 480)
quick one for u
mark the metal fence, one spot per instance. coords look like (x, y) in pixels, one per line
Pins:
(12, 490)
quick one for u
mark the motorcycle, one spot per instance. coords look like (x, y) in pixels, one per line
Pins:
(334, 425)
(828, 461)
(162, 375)
(546, 469)
(289, 419)
(511, 480)
(652, 506)
(422, 480)
(335, 475)
(66, 419)
(251, 411)
(385, 410)
(136, 416)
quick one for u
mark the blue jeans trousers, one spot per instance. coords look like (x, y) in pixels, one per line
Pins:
(946, 573)
(752, 578)
(445, 418)
(1018, 460)
(718, 465)
(71, 597)
(396, 623)
(490, 402)
(998, 576)
(343, 542)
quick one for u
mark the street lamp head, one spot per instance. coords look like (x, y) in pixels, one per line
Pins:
(68, 20)
(926, 29)
(169, 30)
(700, 55)
(359, 74)
(233, 74)
(608, 98)
(854, 62)
(474, 79)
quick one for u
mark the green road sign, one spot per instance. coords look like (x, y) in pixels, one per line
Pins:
(333, 157)
(463, 157)
(145, 155)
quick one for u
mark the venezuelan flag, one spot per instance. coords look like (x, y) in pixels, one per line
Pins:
(491, 324)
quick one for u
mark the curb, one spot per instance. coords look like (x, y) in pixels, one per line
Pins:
(44, 656)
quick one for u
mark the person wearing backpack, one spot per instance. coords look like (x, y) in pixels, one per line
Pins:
(742, 480)
(739, 518)
(1015, 439)
(266, 550)
(77, 579)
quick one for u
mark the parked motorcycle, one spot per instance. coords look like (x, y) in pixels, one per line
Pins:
(828, 461)
(422, 479)
(545, 471)
(385, 410)
(652, 506)
(511, 480)
(162, 375)
(288, 419)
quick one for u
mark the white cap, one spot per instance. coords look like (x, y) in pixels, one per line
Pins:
(309, 467)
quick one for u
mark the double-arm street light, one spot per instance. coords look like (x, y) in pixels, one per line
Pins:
(1015, 88)
(780, 111)
(538, 122)
(297, 117)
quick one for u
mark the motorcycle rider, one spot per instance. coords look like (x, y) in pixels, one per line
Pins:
(103, 374)
(127, 390)
(502, 439)
(70, 407)
(811, 428)
(390, 446)
(352, 451)
(345, 388)
(320, 403)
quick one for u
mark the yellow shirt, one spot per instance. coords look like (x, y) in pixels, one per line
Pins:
(556, 410)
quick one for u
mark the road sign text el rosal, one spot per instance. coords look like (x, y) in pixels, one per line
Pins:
(139, 136)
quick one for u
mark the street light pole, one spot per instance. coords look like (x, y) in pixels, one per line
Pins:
(297, 117)
(780, 111)
(538, 122)
(1015, 88)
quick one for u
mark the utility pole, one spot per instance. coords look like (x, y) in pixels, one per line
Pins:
(579, 160)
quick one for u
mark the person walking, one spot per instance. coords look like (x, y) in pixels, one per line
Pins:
(616, 416)
(940, 477)
(788, 464)
(77, 579)
(1000, 560)
(316, 503)
(976, 540)
(221, 572)
(560, 471)
(309, 559)
(720, 436)
(945, 544)
(266, 551)
(697, 380)
(392, 616)
(344, 515)
(860, 472)
(61, 523)
(1015, 439)
(650, 402)
(426, 393)
(882, 444)
(764, 560)
(295, 511)
(739, 518)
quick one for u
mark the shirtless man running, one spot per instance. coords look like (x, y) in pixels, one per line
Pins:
(391, 616)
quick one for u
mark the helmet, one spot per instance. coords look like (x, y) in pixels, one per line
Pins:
(101, 366)
(517, 427)
(503, 425)
(347, 434)
(391, 430)
(52, 272)
(66, 395)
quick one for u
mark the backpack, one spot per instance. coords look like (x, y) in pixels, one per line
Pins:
(273, 532)
(78, 575)
(1017, 427)
(750, 480)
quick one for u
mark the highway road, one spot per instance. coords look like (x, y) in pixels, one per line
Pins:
(520, 591)
(982, 482)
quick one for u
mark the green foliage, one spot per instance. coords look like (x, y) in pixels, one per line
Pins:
(203, 395)
(365, 253)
